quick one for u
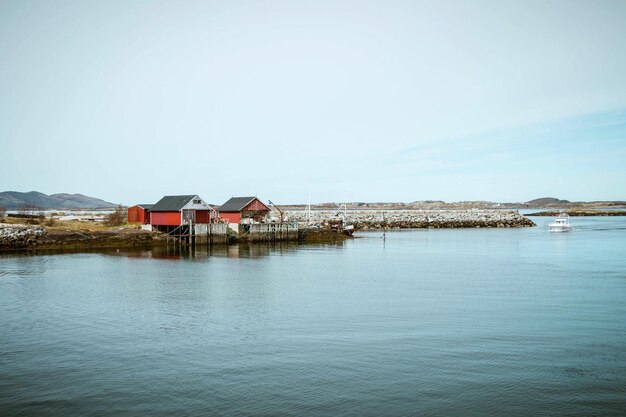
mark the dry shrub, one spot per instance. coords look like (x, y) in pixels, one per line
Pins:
(50, 221)
(117, 218)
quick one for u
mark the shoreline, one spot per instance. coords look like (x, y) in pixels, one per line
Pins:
(19, 237)
(22, 237)
(87, 236)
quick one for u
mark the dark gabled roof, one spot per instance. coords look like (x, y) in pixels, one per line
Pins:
(172, 203)
(145, 206)
(235, 204)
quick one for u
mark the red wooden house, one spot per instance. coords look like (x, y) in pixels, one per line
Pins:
(176, 210)
(139, 213)
(243, 209)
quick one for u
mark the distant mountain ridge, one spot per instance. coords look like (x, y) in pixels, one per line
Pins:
(12, 200)
(538, 203)
(551, 202)
(547, 202)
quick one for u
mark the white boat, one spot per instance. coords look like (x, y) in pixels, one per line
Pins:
(561, 224)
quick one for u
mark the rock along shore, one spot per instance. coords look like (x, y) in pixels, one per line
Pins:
(419, 219)
(19, 236)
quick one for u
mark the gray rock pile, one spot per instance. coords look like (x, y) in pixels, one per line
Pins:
(19, 236)
(418, 219)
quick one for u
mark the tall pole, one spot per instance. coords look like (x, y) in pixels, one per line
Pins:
(384, 236)
(309, 208)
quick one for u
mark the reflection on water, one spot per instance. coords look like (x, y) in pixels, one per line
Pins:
(31, 258)
(255, 250)
(231, 251)
(23, 265)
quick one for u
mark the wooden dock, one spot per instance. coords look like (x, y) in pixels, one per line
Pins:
(268, 232)
(196, 234)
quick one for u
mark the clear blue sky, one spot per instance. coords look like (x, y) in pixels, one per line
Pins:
(350, 100)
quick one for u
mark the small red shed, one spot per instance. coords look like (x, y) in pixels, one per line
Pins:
(237, 209)
(175, 210)
(139, 213)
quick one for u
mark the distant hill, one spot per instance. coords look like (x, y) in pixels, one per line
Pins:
(12, 200)
(539, 203)
(547, 202)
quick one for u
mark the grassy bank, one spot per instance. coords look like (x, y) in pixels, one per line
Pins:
(76, 234)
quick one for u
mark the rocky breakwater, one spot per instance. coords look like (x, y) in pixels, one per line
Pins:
(419, 219)
(13, 236)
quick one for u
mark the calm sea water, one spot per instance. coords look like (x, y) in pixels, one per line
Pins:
(430, 322)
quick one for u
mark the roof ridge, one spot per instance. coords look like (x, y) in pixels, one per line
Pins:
(237, 203)
(173, 202)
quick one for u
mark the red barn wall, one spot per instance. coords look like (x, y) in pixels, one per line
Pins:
(202, 216)
(231, 217)
(138, 214)
(165, 218)
(256, 205)
(133, 214)
(144, 217)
